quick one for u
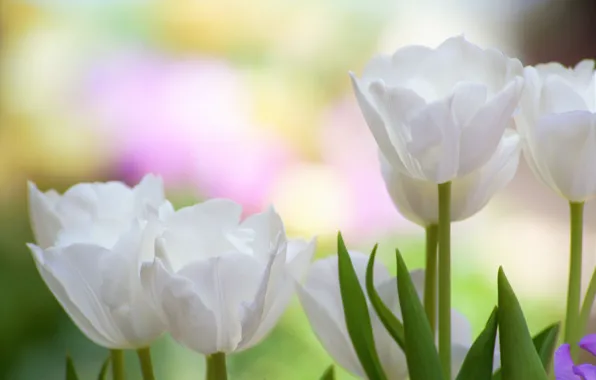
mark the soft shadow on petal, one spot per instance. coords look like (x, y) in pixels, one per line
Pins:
(565, 150)
(45, 223)
(199, 231)
(150, 190)
(224, 284)
(560, 96)
(564, 364)
(330, 329)
(375, 121)
(190, 322)
(75, 283)
(480, 137)
(266, 229)
(273, 295)
(472, 192)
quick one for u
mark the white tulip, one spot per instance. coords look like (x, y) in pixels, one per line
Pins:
(558, 126)
(321, 299)
(417, 200)
(223, 284)
(92, 241)
(439, 114)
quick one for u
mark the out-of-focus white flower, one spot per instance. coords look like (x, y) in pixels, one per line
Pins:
(558, 125)
(221, 285)
(91, 243)
(439, 114)
(417, 199)
(321, 299)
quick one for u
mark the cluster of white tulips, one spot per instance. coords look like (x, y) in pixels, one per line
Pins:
(450, 124)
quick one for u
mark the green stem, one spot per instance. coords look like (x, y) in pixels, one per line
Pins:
(445, 277)
(118, 372)
(572, 322)
(587, 306)
(216, 367)
(430, 277)
(144, 355)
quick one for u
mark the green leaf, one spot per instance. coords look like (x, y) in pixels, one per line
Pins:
(356, 314)
(545, 342)
(519, 359)
(478, 364)
(104, 369)
(329, 373)
(421, 354)
(71, 373)
(390, 321)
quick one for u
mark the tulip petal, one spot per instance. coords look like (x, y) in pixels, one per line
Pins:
(86, 325)
(201, 231)
(375, 122)
(558, 96)
(45, 223)
(267, 227)
(330, 331)
(71, 274)
(480, 137)
(190, 321)
(224, 284)
(471, 193)
(565, 150)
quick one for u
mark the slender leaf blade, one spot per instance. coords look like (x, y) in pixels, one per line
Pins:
(356, 314)
(545, 342)
(478, 364)
(329, 373)
(71, 373)
(519, 358)
(389, 320)
(421, 353)
(104, 369)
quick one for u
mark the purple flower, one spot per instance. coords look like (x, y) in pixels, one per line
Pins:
(565, 369)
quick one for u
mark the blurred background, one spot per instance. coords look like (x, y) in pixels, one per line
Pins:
(251, 100)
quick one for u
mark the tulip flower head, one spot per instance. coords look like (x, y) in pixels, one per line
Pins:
(565, 369)
(438, 124)
(91, 243)
(557, 121)
(221, 284)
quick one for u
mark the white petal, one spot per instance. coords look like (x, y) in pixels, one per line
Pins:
(321, 299)
(481, 136)
(331, 332)
(149, 194)
(565, 152)
(435, 143)
(224, 284)
(190, 322)
(200, 231)
(559, 96)
(299, 257)
(76, 282)
(375, 121)
(272, 297)
(267, 230)
(44, 221)
(471, 193)
(84, 324)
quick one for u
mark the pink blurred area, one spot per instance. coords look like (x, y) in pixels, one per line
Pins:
(189, 121)
(348, 147)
